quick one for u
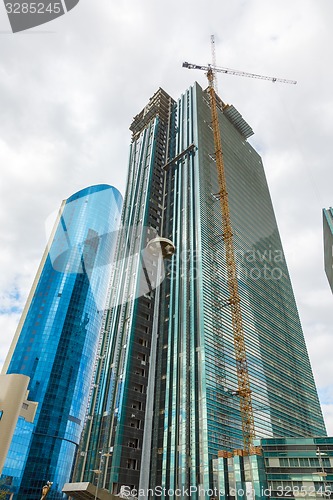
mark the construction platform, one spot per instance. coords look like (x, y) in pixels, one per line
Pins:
(87, 491)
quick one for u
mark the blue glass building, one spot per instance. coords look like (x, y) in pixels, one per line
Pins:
(57, 339)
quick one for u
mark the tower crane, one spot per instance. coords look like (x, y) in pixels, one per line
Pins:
(244, 390)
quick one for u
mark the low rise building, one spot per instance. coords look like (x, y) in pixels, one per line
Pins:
(283, 468)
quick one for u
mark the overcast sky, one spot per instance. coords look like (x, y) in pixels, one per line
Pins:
(70, 88)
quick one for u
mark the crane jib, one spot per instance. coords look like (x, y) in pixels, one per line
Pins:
(229, 71)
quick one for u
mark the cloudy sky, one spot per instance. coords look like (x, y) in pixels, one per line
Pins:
(70, 88)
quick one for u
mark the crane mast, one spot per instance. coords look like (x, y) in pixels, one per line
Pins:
(212, 45)
(244, 390)
(243, 381)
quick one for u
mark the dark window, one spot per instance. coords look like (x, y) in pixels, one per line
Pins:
(140, 371)
(132, 464)
(133, 443)
(138, 388)
(136, 405)
(135, 423)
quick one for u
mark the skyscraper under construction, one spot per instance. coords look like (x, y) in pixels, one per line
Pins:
(165, 399)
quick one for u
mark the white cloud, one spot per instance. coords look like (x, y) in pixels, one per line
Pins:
(68, 97)
(8, 323)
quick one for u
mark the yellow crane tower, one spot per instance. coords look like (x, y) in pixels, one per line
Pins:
(244, 391)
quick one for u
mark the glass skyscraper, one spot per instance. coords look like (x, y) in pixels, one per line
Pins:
(197, 404)
(328, 244)
(165, 399)
(57, 339)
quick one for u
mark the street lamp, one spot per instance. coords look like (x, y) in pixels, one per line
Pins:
(46, 489)
(160, 249)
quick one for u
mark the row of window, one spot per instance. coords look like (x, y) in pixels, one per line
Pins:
(302, 462)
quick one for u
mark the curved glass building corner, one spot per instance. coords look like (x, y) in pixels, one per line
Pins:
(57, 339)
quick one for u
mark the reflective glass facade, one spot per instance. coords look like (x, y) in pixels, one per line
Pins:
(328, 244)
(184, 340)
(57, 340)
(198, 411)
